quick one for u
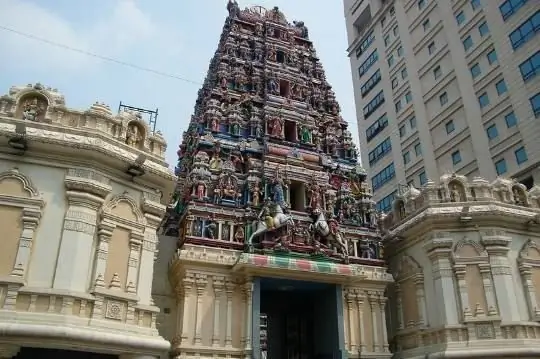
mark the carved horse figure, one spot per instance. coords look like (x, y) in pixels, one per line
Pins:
(321, 226)
(269, 223)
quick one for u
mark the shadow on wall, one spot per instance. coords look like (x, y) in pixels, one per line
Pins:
(162, 292)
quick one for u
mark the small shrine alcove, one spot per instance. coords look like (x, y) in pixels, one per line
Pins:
(32, 106)
(136, 134)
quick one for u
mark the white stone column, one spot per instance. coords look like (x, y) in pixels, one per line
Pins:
(439, 250)
(382, 306)
(420, 299)
(485, 272)
(220, 229)
(134, 258)
(105, 231)
(229, 290)
(201, 281)
(353, 348)
(248, 295)
(187, 283)
(373, 297)
(460, 271)
(77, 239)
(146, 266)
(30, 221)
(360, 297)
(503, 281)
(346, 321)
(530, 292)
(218, 283)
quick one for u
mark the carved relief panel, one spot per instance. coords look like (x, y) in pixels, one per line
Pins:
(529, 267)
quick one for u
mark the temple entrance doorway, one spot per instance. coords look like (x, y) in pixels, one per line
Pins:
(299, 320)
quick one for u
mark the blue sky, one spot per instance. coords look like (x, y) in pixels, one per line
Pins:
(175, 37)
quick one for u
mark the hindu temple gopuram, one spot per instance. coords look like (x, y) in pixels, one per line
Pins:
(278, 251)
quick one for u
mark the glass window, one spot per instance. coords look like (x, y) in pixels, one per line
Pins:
(377, 127)
(535, 104)
(383, 177)
(395, 31)
(365, 44)
(483, 29)
(366, 65)
(404, 74)
(476, 70)
(530, 67)
(412, 122)
(521, 155)
(394, 83)
(423, 178)
(418, 149)
(400, 51)
(391, 60)
(431, 48)
(386, 40)
(406, 157)
(483, 100)
(500, 167)
(492, 132)
(460, 17)
(510, 120)
(501, 87)
(408, 97)
(525, 31)
(421, 4)
(443, 98)
(467, 43)
(509, 7)
(398, 106)
(450, 127)
(402, 131)
(475, 4)
(374, 104)
(426, 24)
(456, 157)
(492, 57)
(437, 72)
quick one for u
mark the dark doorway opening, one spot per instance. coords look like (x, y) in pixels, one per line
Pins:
(300, 320)
(30, 353)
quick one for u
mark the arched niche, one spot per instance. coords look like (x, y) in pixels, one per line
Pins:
(32, 106)
(410, 296)
(519, 194)
(400, 211)
(21, 208)
(120, 236)
(529, 267)
(473, 273)
(457, 190)
(136, 134)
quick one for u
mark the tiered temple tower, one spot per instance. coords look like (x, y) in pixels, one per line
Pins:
(269, 186)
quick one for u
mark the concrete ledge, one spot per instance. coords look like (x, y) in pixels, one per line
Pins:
(65, 337)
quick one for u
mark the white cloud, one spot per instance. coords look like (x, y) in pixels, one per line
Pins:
(112, 34)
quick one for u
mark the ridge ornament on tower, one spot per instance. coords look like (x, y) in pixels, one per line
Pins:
(267, 157)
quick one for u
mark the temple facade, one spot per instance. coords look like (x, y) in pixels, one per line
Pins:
(465, 257)
(277, 249)
(80, 203)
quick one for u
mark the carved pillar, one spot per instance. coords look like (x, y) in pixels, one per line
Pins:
(438, 250)
(187, 282)
(530, 292)
(399, 307)
(135, 243)
(352, 335)
(30, 221)
(360, 304)
(346, 331)
(153, 213)
(229, 288)
(248, 296)
(420, 299)
(105, 231)
(460, 271)
(382, 306)
(503, 281)
(485, 271)
(77, 239)
(374, 309)
(201, 281)
(217, 283)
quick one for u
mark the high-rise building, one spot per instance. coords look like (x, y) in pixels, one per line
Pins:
(445, 86)
(278, 251)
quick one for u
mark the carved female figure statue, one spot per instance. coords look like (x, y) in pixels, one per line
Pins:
(454, 194)
(239, 235)
(305, 134)
(214, 124)
(314, 196)
(31, 109)
(256, 195)
(277, 127)
(201, 189)
(133, 137)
